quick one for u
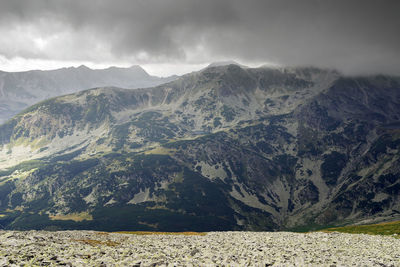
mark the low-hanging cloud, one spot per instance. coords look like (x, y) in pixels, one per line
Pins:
(354, 36)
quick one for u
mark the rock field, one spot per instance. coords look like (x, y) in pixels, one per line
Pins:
(89, 248)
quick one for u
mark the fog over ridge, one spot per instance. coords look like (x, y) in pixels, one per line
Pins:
(356, 37)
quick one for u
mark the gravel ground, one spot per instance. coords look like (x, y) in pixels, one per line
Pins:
(88, 248)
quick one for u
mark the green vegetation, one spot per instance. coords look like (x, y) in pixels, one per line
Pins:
(217, 122)
(97, 108)
(332, 167)
(286, 163)
(382, 144)
(152, 126)
(308, 142)
(22, 167)
(308, 227)
(228, 113)
(387, 228)
(6, 131)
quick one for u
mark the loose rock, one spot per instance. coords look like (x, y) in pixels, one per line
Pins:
(89, 248)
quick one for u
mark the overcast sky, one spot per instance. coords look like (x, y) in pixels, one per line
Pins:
(177, 36)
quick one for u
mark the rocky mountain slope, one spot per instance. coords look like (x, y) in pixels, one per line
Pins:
(226, 148)
(18, 90)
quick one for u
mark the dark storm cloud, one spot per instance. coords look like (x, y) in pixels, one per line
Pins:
(353, 36)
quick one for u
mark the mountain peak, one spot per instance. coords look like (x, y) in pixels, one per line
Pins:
(83, 67)
(37, 85)
(224, 63)
(136, 67)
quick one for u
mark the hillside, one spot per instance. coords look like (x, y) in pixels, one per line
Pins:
(18, 90)
(226, 148)
(387, 228)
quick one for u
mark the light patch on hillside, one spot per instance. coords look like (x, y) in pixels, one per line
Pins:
(17, 208)
(380, 196)
(160, 151)
(178, 177)
(92, 197)
(212, 171)
(16, 154)
(250, 200)
(76, 217)
(162, 185)
(22, 150)
(379, 168)
(110, 202)
(282, 189)
(144, 196)
(292, 128)
(140, 197)
(34, 144)
(239, 222)
(80, 139)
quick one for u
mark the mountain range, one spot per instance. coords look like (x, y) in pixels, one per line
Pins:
(18, 90)
(225, 148)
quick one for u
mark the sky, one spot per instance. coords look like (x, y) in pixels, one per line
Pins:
(170, 37)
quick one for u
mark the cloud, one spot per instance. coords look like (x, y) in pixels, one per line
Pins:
(355, 36)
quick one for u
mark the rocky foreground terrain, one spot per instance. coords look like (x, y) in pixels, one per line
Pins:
(89, 248)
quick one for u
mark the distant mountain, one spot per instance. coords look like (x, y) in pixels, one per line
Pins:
(226, 148)
(19, 90)
(225, 63)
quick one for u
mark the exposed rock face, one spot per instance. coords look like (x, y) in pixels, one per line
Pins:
(86, 248)
(18, 90)
(224, 148)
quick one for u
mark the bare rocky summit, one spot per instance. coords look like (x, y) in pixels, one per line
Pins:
(89, 248)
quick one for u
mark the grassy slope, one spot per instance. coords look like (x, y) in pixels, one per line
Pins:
(388, 228)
